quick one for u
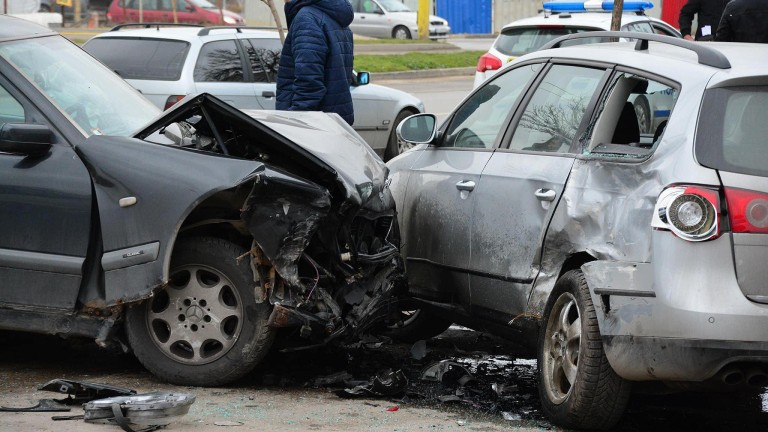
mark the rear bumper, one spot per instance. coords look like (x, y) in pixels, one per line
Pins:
(682, 317)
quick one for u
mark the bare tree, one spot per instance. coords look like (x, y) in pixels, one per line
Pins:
(275, 15)
(558, 121)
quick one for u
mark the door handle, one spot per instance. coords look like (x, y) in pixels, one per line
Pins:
(268, 94)
(545, 194)
(465, 185)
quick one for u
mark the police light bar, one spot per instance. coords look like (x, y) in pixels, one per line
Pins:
(595, 5)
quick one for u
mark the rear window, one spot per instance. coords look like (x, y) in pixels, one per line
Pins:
(522, 40)
(140, 58)
(733, 130)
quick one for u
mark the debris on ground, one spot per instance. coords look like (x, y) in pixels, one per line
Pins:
(385, 383)
(80, 392)
(143, 412)
(77, 393)
(43, 405)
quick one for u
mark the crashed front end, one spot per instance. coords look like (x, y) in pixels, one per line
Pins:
(325, 250)
(328, 268)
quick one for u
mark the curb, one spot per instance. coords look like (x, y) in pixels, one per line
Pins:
(427, 73)
(403, 48)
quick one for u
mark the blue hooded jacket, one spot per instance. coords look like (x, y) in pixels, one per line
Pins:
(316, 62)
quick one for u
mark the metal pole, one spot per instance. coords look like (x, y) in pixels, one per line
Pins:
(423, 19)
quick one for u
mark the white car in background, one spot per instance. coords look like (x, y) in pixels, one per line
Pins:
(392, 19)
(563, 18)
(238, 65)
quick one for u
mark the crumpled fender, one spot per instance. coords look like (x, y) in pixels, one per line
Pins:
(140, 244)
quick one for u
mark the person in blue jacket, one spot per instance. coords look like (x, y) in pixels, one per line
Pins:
(315, 68)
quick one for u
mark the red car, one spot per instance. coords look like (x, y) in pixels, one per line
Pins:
(187, 11)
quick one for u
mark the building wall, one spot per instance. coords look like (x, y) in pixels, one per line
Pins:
(504, 11)
(257, 13)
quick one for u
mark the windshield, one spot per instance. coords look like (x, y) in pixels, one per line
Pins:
(141, 58)
(394, 6)
(522, 40)
(731, 133)
(99, 101)
(205, 4)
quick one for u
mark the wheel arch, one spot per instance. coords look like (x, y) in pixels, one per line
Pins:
(544, 285)
(218, 215)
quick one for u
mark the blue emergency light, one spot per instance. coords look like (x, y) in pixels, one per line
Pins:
(595, 6)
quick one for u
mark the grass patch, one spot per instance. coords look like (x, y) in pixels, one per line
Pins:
(373, 41)
(416, 61)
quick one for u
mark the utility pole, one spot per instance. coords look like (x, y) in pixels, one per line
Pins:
(423, 19)
(618, 8)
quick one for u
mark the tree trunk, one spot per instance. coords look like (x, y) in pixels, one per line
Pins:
(275, 15)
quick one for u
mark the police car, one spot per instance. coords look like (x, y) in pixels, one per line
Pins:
(562, 18)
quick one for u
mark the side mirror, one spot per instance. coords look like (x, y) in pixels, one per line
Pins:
(24, 138)
(417, 129)
(363, 78)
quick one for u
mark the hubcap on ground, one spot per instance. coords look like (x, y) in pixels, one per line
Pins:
(198, 317)
(561, 348)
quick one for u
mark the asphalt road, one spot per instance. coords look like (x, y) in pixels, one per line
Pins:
(440, 95)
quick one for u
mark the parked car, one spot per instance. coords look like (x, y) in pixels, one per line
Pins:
(539, 211)
(392, 19)
(193, 234)
(161, 11)
(530, 34)
(239, 66)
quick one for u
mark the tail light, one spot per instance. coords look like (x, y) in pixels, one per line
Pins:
(488, 62)
(690, 212)
(747, 211)
(172, 100)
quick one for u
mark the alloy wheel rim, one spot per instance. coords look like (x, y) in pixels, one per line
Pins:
(403, 146)
(561, 348)
(197, 318)
(642, 119)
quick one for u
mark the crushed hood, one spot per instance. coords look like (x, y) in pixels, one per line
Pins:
(317, 146)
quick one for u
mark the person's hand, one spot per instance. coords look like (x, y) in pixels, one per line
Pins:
(688, 37)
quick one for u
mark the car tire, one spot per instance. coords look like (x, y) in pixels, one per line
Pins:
(416, 325)
(396, 147)
(577, 386)
(401, 32)
(221, 332)
(643, 112)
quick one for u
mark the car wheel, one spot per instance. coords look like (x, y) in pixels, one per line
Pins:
(577, 386)
(205, 327)
(401, 32)
(396, 147)
(415, 325)
(643, 112)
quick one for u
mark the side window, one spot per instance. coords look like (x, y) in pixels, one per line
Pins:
(355, 5)
(219, 62)
(642, 27)
(480, 120)
(552, 118)
(368, 6)
(164, 5)
(264, 56)
(631, 117)
(11, 110)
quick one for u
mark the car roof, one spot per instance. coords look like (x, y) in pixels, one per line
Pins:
(188, 33)
(600, 20)
(676, 63)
